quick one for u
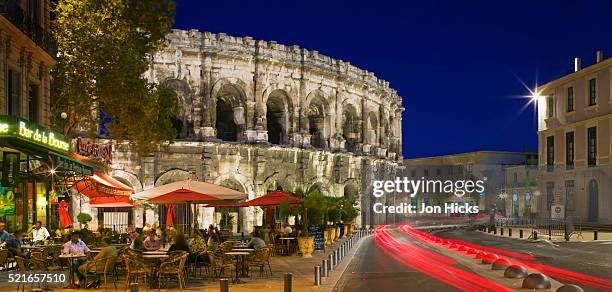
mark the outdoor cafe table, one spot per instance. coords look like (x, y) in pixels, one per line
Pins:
(287, 241)
(243, 249)
(242, 255)
(153, 259)
(71, 257)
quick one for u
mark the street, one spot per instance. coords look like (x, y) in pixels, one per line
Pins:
(400, 260)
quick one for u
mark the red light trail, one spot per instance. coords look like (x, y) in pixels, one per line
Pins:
(432, 264)
(517, 258)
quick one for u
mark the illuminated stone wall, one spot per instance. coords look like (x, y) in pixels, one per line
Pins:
(256, 114)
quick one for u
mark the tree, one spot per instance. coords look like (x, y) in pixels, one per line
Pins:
(105, 47)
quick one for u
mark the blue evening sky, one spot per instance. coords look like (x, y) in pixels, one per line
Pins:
(455, 63)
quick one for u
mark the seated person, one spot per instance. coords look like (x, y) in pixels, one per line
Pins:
(39, 233)
(152, 242)
(76, 247)
(4, 236)
(133, 236)
(107, 251)
(14, 242)
(180, 243)
(287, 230)
(256, 242)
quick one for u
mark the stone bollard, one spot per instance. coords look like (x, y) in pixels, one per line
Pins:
(325, 270)
(500, 264)
(317, 275)
(536, 281)
(570, 288)
(535, 235)
(288, 282)
(331, 262)
(515, 272)
(134, 287)
(224, 285)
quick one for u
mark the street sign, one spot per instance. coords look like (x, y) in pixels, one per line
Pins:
(557, 212)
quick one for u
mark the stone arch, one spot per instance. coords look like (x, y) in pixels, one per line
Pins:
(372, 128)
(172, 175)
(279, 113)
(316, 119)
(351, 127)
(245, 183)
(184, 121)
(229, 109)
(131, 179)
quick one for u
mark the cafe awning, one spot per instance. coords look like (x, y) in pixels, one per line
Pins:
(102, 185)
(111, 202)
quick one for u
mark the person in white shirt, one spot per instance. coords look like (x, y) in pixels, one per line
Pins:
(39, 233)
(287, 230)
(77, 247)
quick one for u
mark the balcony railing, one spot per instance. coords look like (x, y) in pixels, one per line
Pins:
(21, 18)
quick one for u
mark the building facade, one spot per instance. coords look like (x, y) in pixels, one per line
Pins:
(574, 141)
(255, 115)
(520, 191)
(34, 160)
(487, 166)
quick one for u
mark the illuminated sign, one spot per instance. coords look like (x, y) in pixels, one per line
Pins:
(15, 127)
(97, 151)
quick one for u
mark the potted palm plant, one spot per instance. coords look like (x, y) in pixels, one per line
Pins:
(350, 212)
(310, 213)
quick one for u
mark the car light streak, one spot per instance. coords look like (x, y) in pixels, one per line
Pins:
(432, 264)
(482, 252)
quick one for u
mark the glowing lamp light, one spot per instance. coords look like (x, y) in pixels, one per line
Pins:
(41, 203)
(52, 171)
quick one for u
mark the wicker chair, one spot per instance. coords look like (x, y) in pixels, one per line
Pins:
(173, 266)
(136, 268)
(109, 270)
(260, 260)
(4, 259)
(218, 267)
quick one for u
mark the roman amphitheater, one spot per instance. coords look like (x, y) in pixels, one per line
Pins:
(255, 115)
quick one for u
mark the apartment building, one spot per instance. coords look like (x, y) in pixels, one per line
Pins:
(574, 130)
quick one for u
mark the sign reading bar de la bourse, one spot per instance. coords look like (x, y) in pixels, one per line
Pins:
(18, 128)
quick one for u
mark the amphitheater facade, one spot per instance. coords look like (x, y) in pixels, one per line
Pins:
(255, 115)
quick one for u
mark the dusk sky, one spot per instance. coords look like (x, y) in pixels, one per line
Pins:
(455, 63)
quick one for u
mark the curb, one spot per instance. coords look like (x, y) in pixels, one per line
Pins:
(330, 282)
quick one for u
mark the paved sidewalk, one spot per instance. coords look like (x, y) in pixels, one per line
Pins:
(302, 270)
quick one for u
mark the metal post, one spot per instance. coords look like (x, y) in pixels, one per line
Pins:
(595, 234)
(520, 233)
(325, 268)
(535, 235)
(317, 275)
(501, 231)
(509, 232)
(224, 285)
(288, 282)
(331, 261)
(550, 231)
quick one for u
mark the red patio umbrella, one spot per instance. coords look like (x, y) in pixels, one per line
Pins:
(274, 198)
(64, 216)
(183, 195)
(170, 215)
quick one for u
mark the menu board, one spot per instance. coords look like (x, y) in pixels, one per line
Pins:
(319, 238)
